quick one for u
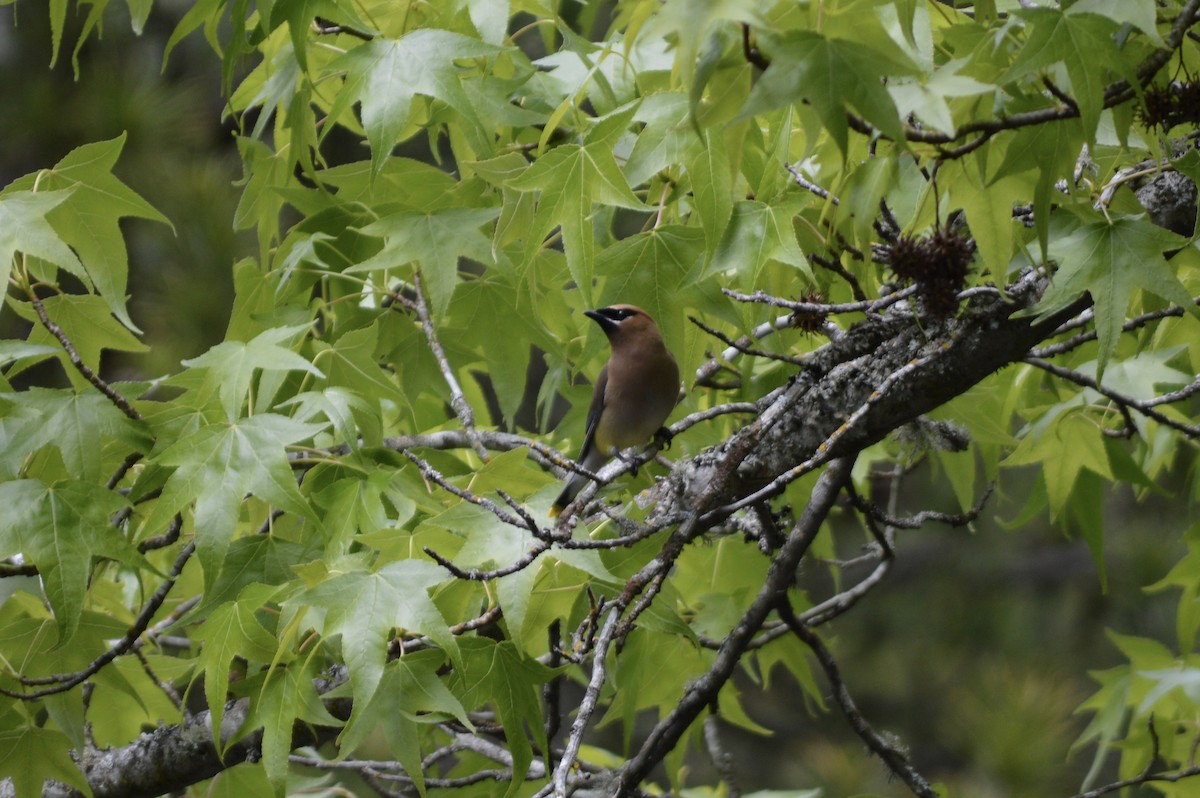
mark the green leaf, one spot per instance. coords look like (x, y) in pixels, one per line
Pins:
(835, 75)
(384, 75)
(288, 695)
(1112, 260)
(989, 216)
(865, 188)
(217, 466)
(435, 240)
(30, 755)
(688, 25)
(656, 270)
(351, 362)
(232, 630)
(926, 96)
(73, 423)
(650, 674)
(1050, 151)
(24, 228)
(59, 528)
(410, 695)
(365, 609)
(485, 305)
(356, 505)
(571, 178)
(495, 673)
(230, 365)
(299, 16)
(1063, 445)
(758, 234)
(89, 218)
(1138, 13)
(1083, 43)
(87, 324)
(712, 186)
(346, 411)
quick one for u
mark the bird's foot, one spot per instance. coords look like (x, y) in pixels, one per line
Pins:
(663, 437)
(629, 461)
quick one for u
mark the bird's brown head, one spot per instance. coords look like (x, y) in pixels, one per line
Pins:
(622, 323)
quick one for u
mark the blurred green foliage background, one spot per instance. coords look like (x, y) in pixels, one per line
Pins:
(967, 653)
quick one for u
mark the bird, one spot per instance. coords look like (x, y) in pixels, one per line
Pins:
(633, 395)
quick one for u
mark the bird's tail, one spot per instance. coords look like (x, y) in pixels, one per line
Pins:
(575, 483)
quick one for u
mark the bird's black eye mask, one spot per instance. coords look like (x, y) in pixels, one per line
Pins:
(612, 314)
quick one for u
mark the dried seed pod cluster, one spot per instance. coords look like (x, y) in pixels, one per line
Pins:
(937, 263)
(1171, 105)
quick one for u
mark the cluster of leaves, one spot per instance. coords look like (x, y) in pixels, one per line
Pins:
(302, 513)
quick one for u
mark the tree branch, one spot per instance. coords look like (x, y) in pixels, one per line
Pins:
(666, 734)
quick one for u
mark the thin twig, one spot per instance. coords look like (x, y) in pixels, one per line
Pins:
(61, 682)
(892, 756)
(743, 348)
(590, 698)
(701, 692)
(168, 690)
(722, 760)
(923, 517)
(871, 306)
(808, 185)
(165, 539)
(458, 400)
(1146, 408)
(1145, 778)
(324, 27)
(476, 575)
(83, 368)
(400, 646)
(10, 568)
(435, 476)
(1089, 314)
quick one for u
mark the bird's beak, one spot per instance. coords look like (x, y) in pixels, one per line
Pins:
(606, 324)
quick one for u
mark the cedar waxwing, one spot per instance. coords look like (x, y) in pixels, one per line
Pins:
(634, 394)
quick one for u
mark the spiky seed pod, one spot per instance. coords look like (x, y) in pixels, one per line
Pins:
(809, 322)
(1157, 107)
(1187, 102)
(906, 258)
(1167, 106)
(948, 263)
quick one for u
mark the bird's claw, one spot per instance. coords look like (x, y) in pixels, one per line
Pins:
(663, 437)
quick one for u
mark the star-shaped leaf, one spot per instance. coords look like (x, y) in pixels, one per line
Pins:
(410, 695)
(74, 423)
(88, 323)
(24, 228)
(386, 74)
(29, 755)
(1112, 261)
(231, 364)
(299, 15)
(926, 96)
(835, 75)
(366, 608)
(232, 630)
(496, 673)
(571, 178)
(435, 240)
(218, 465)
(288, 695)
(89, 218)
(59, 528)
(1084, 44)
(757, 234)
